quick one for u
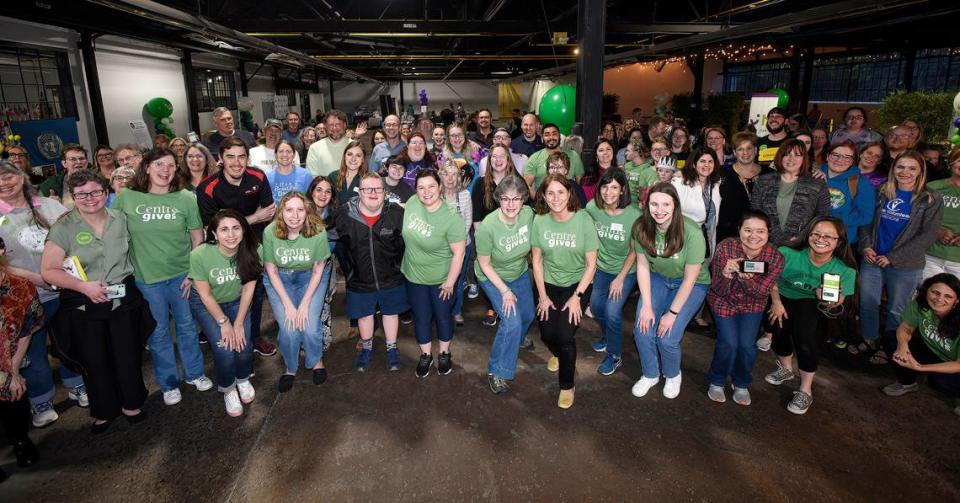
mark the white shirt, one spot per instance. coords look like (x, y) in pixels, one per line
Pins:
(266, 159)
(692, 207)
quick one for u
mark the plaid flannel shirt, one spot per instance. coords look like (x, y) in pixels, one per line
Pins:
(728, 297)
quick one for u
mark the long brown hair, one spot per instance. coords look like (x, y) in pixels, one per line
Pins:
(489, 185)
(311, 225)
(342, 173)
(645, 228)
(540, 205)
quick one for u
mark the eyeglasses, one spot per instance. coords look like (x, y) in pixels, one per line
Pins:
(17, 155)
(412, 143)
(80, 196)
(371, 190)
(105, 155)
(870, 155)
(855, 117)
(124, 160)
(456, 135)
(840, 157)
(160, 165)
(510, 200)
(76, 159)
(816, 236)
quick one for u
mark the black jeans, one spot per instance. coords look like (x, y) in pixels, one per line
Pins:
(256, 310)
(112, 355)
(15, 418)
(946, 383)
(558, 333)
(799, 333)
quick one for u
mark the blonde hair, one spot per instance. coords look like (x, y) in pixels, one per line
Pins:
(889, 188)
(312, 224)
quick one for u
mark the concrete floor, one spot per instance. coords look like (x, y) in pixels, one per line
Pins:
(391, 436)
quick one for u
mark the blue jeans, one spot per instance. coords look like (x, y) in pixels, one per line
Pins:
(427, 307)
(607, 312)
(39, 375)
(900, 285)
(231, 366)
(736, 349)
(506, 344)
(165, 301)
(649, 345)
(458, 289)
(311, 338)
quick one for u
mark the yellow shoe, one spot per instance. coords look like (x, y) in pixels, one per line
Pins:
(553, 364)
(566, 398)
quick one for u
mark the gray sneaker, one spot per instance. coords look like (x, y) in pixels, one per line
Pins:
(779, 376)
(897, 389)
(497, 384)
(801, 403)
(716, 393)
(741, 396)
(763, 343)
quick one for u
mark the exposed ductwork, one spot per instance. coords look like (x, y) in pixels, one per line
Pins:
(216, 34)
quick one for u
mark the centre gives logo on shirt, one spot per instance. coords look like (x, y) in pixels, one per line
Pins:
(613, 232)
(292, 255)
(152, 213)
(560, 239)
(221, 275)
(420, 226)
(510, 242)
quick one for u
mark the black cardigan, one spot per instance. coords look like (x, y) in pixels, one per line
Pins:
(811, 200)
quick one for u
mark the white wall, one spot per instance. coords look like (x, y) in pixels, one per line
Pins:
(474, 94)
(131, 74)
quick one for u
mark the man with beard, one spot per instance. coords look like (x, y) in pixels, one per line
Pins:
(536, 169)
(655, 130)
(529, 141)
(777, 132)
(484, 133)
(393, 146)
(325, 155)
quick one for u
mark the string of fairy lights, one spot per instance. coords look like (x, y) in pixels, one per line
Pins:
(732, 53)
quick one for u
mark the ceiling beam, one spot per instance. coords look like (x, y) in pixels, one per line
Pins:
(385, 26)
(620, 28)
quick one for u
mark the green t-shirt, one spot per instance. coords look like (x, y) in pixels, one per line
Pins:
(564, 246)
(800, 279)
(220, 271)
(537, 165)
(295, 254)
(614, 235)
(427, 238)
(159, 226)
(104, 258)
(506, 245)
(693, 252)
(639, 175)
(928, 326)
(951, 219)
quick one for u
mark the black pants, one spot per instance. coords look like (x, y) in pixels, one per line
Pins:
(799, 333)
(15, 418)
(112, 356)
(256, 310)
(946, 383)
(558, 333)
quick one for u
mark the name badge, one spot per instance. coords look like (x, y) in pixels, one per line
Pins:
(616, 227)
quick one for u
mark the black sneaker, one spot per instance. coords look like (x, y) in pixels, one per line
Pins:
(319, 376)
(423, 366)
(497, 384)
(406, 318)
(490, 319)
(444, 364)
(286, 383)
(526, 344)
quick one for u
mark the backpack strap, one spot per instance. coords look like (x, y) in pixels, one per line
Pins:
(852, 184)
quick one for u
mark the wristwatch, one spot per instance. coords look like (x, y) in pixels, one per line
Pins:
(223, 321)
(578, 294)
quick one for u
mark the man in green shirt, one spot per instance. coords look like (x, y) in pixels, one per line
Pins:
(536, 169)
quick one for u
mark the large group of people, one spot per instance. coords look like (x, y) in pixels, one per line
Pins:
(772, 238)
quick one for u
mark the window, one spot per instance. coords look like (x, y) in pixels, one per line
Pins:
(215, 88)
(937, 70)
(35, 84)
(867, 78)
(756, 77)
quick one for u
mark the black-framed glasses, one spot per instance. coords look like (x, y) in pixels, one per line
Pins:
(80, 196)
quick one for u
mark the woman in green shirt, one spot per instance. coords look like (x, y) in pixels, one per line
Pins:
(295, 252)
(503, 244)
(435, 243)
(224, 271)
(564, 244)
(102, 322)
(797, 302)
(673, 280)
(613, 216)
(935, 316)
(164, 225)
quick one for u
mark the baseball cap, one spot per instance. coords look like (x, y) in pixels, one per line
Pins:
(777, 110)
(273, 123)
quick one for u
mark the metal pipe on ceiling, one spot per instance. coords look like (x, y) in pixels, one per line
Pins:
(185, 21)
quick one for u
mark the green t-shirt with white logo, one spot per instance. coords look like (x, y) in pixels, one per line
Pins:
(614, 235)
(639, 175)
(159, 226)
(951, 219)
(564, 246)
(800, 279)
(295, 254)
(208, 264)
(427, 238)
(506, 245)
(693, 252)
(928, 326)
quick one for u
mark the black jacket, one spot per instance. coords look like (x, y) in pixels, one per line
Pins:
(372, 256)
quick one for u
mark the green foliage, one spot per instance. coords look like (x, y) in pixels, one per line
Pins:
(724, 110)
(611, 103)
(682, 106)
(932, 110)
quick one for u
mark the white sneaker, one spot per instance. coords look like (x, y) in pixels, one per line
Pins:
(202, 383)
(643, 386)
(79, 394)
(172, 397)
(246, 391)
(671, 387)
(232, 400)
(43, 414)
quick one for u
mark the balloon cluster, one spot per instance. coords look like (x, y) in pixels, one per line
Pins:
(9, 141)
(161, 109)
(423, 97)
(559, 106)
(955, 139)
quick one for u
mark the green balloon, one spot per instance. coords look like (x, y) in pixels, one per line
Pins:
(160, 107)
(559, 106)
(782, 94)
(955, 139)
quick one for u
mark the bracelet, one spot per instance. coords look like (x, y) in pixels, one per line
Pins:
(673, 312)
(506, 292)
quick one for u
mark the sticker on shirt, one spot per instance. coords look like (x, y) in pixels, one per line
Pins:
(560, 239)
(613, 232)
(31, 238)
(510, 242)
(420, 226)
(837, 198)
(83, 238)
(221, 275)
(767, 154)
(150, 213)
(292, 255)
